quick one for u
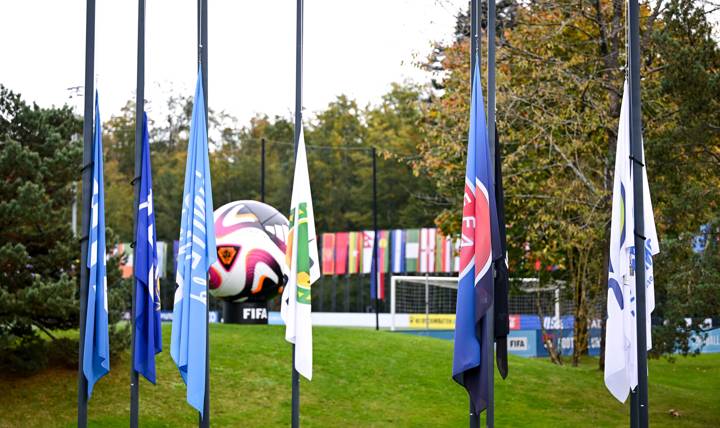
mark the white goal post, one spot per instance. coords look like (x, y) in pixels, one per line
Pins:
(421, 295)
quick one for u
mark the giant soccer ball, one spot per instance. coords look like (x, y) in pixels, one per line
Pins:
(250, 266)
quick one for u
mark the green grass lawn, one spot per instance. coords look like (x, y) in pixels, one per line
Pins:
(362, 378)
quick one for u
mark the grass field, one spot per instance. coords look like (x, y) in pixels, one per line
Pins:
(362, 378)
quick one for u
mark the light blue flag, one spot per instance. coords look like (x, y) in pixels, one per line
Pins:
(196, 252)
(96, 348)
(148, 335)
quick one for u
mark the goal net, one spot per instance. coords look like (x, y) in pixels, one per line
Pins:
(428, 302)
(423, 302)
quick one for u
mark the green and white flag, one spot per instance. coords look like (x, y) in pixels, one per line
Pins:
(302, 257)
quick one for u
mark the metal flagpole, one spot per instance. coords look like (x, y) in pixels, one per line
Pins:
(139, 110)
(262, 170)
(295, 416)
(204, 420)
(490, 316)
(86, 194)
(474, 415)
(636, 150)
(376, 240)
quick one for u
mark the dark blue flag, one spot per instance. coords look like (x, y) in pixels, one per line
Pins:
(479, 246)
(96, 348)
(148, 336)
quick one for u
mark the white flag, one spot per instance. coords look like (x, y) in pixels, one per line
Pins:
(621, 372)
(302, 257)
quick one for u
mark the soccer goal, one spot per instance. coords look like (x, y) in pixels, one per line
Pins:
(423, 302)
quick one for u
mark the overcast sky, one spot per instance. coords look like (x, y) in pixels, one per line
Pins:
(354, 47)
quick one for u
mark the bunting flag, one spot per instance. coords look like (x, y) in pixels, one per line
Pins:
(377, 274)
(96, 343)
(302, 258)
(479, 248)
(328, 253)
(354, 252)
(368, 242)
(427, 250)
(397, 242)
(341, 253)
(412, 249)
(196, 253)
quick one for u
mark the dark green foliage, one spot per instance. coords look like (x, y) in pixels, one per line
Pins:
(40, 155)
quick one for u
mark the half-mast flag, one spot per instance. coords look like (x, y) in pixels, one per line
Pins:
(398, 250)
(341, 253)
(196, 253)
(148, 336)
(478, 249)
(96, 343)
(621, 371)
(502, 276)
(302, 257)
(328, 253)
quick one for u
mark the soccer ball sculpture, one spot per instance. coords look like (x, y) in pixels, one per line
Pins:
(250, 238)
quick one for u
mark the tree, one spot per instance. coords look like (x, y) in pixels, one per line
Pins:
(560, 77)
(39, 161)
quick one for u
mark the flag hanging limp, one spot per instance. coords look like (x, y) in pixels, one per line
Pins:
(302, 257)
(621, 371)
(196, 252)
(478, 249)
(96, 345)
(148, 336)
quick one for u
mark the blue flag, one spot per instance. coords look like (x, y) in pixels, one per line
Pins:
(96, 347)
(374, 267)
(397, 242)
(196, 252)
(479, 246)
(148, 336)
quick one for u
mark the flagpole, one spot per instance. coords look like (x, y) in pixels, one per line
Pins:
(204, 419)
(636, 150)
(376, 240)
(262, 170)
(86, 193)
(474, 415)
(139, 110)
(295, 380)
(490, 316)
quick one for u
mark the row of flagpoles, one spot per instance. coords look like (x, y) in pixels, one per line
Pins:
(481, 322)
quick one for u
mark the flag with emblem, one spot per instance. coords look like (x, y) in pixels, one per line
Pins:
(96, 343)
(302, 258)
(196, 253)
(379, 266)
(621, 371)
(479, 248)
(354, 252)
(368, 245)
(427, 250)
(148, 337)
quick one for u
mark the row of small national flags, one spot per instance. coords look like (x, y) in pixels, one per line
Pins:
(399, 251)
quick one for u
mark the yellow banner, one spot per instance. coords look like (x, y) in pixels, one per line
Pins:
(433, 321)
